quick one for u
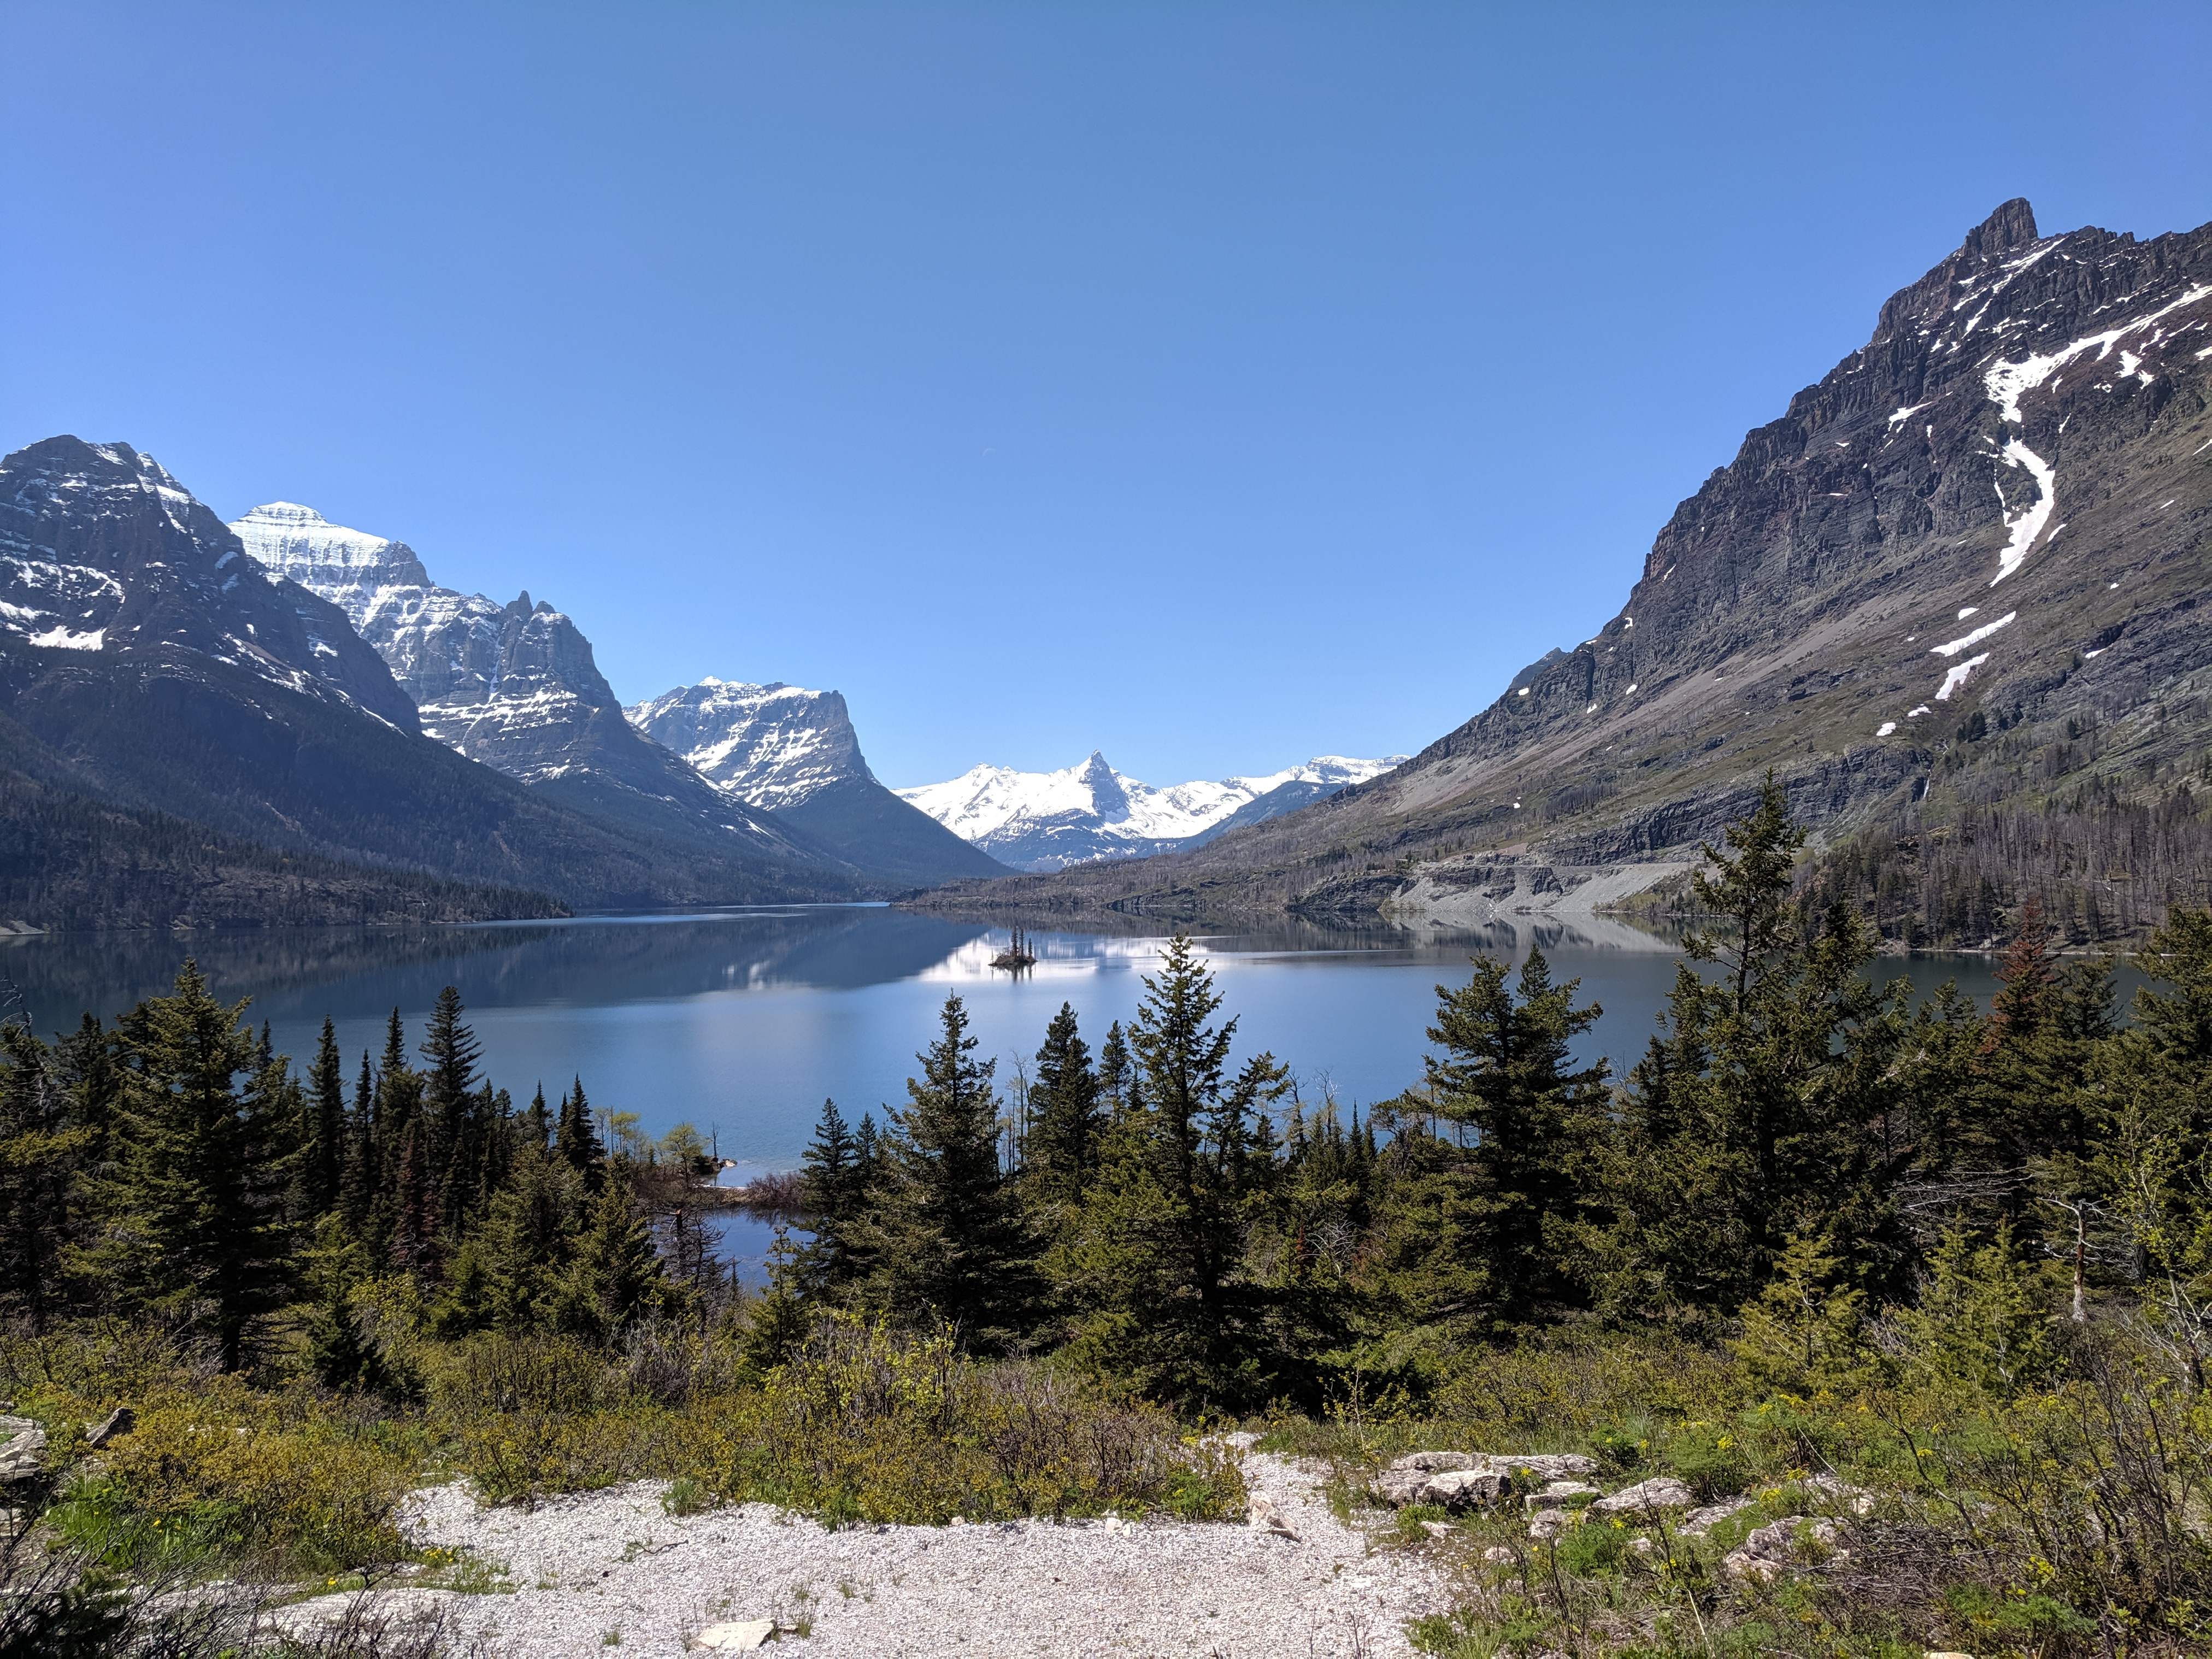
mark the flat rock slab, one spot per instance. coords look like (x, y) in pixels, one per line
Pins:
(600, 1562)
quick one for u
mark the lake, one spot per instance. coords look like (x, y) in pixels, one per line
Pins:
(741, 1021)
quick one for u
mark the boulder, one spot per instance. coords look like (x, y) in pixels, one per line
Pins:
(741, 1636)
(1498, 1554)
(1769, 1551)
(1702, 1519)
(121, 1420)
(24, 1453)
(1542, 1466)
(1548, 1523)
(1662, 1491)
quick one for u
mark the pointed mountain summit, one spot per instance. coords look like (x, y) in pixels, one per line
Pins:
(1965, 570)
(512, 686)
(795, 752)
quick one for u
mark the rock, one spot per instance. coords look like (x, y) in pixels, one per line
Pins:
(1662, 1491)
(1548, 1523)
(1700, 1520)
(1932, 1654)
(1857, 1499)
(1543, 1466)
(1559, 1494)
(24, 1453)
(1437, 1529)
(1461, 1489)
(1641, 1546)
(1407, 1481)
(121, 1420)
(742, 1637)
(1261, 1515)
(1768, 1551)
(1497, 1552)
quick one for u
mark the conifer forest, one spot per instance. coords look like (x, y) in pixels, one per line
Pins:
(1917, 1292)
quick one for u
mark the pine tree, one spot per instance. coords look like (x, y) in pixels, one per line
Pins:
(617, 1276)
(45, 1146)
(1062, 1153)
(1117, 1088)
(576, 1139)
(193, 1213)
(1756, 1116)
(323, 1160)
(942, 1232)
(415, 1204)
(457, 1134)
(832, 1184)
(1153, 1266)
(1507, 1080)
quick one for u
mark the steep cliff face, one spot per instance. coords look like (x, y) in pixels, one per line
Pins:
(1982, 535)
(795, 752)
(774, 745)
(512, 686)
(101, 550)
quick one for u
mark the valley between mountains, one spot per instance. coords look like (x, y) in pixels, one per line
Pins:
(1951, 597)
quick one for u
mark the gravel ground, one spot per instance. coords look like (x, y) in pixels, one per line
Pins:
(589, 1567)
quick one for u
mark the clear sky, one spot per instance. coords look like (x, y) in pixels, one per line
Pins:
(1214, 385)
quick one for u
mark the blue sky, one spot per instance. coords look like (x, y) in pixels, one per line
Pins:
(1213, 384)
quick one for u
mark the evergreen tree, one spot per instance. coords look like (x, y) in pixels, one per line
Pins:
(509, 1274)
(414, 1206)
(1506, 1082)
(576, 1139)
(616, 1276)
(538, 1122)
(942, 1232)
(1117, 1085)
(1061, 1154)
(363, 1178)
(194, 1230)
(457, 1134)
(45, 1146)
(1751, 1119)
(832, 1187)
(323, 1158)
(1153, 1268)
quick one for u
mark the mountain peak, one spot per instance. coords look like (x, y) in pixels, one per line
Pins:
(2010, 229)
(773, 745)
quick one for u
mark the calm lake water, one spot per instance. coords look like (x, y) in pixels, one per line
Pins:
(742, 1021)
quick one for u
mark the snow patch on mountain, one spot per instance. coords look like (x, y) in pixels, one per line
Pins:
(773, 745)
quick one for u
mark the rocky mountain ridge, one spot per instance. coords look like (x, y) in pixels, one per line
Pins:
(512, 686)
(1965, 567)
(159, 691)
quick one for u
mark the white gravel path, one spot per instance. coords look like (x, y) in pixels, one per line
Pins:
(614, 1561)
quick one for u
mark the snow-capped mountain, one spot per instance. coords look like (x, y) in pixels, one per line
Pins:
(776, 746)
(1045, 820)
(795, 752)
(513, 686)
(101, 550)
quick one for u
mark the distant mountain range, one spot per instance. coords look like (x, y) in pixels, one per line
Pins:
(1964, 574)
(1043, 821)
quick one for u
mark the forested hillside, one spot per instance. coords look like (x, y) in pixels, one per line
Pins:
(1905, 1298)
